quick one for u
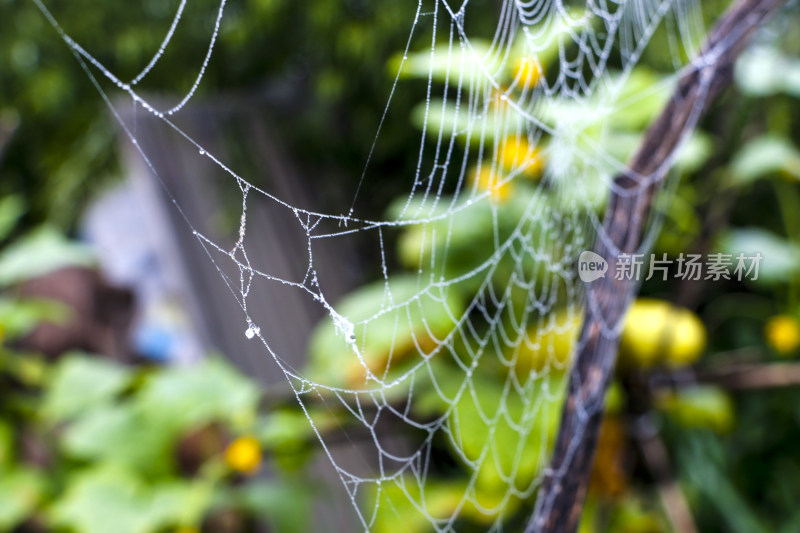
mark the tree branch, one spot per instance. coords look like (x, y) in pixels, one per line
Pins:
(730, 376)
(560, 499)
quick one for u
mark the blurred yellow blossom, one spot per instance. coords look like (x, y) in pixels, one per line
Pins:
(783, 333)
(244, 455)
(517, 153)
(528, 71)
(488, 179)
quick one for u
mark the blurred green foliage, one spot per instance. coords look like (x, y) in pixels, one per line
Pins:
(93, 446)
(112, 435)
(319, 67)
(710, 210)
(89, 445)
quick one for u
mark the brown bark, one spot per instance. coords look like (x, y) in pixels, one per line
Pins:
(731, 376)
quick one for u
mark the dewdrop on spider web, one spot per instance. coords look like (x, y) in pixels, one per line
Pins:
(251, 331)
(518, 318)
(345, 327)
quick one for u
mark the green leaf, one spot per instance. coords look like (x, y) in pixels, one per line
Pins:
(548, 42)
(636, 515)
(21, 489)
(681, 225)
(41, 252)
(764, 71)
(29, 369)
(80, 383)
(700, 407)
(285, 503)
(694, 152)
(464, 239)
(717, 487)
(623, 103)
(443, 118)
(11, 209)
(120, 434)
(7, 451)
(401, 501)
(781, 258)
(444, 62)
(112, 500)
(633, 101)
(486, 424)
(764, 156)
(398, 502)
(287, 429)
(455, 247)
(289, 436)
(19, 316)
(392, 322)
(191, 396)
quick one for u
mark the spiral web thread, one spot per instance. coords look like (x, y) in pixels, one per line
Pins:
(462, 345)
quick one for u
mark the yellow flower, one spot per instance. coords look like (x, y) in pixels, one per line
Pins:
(517, 154)
(528, 71)
(243, 455)
(488, 179)
(783, 333)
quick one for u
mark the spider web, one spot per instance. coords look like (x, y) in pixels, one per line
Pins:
(452, 362)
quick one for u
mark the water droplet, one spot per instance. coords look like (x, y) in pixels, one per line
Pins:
(202, 152)
(252, 331)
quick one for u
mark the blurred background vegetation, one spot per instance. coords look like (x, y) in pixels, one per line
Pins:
(95, 440)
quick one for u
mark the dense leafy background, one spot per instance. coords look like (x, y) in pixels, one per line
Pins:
(115, 436)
